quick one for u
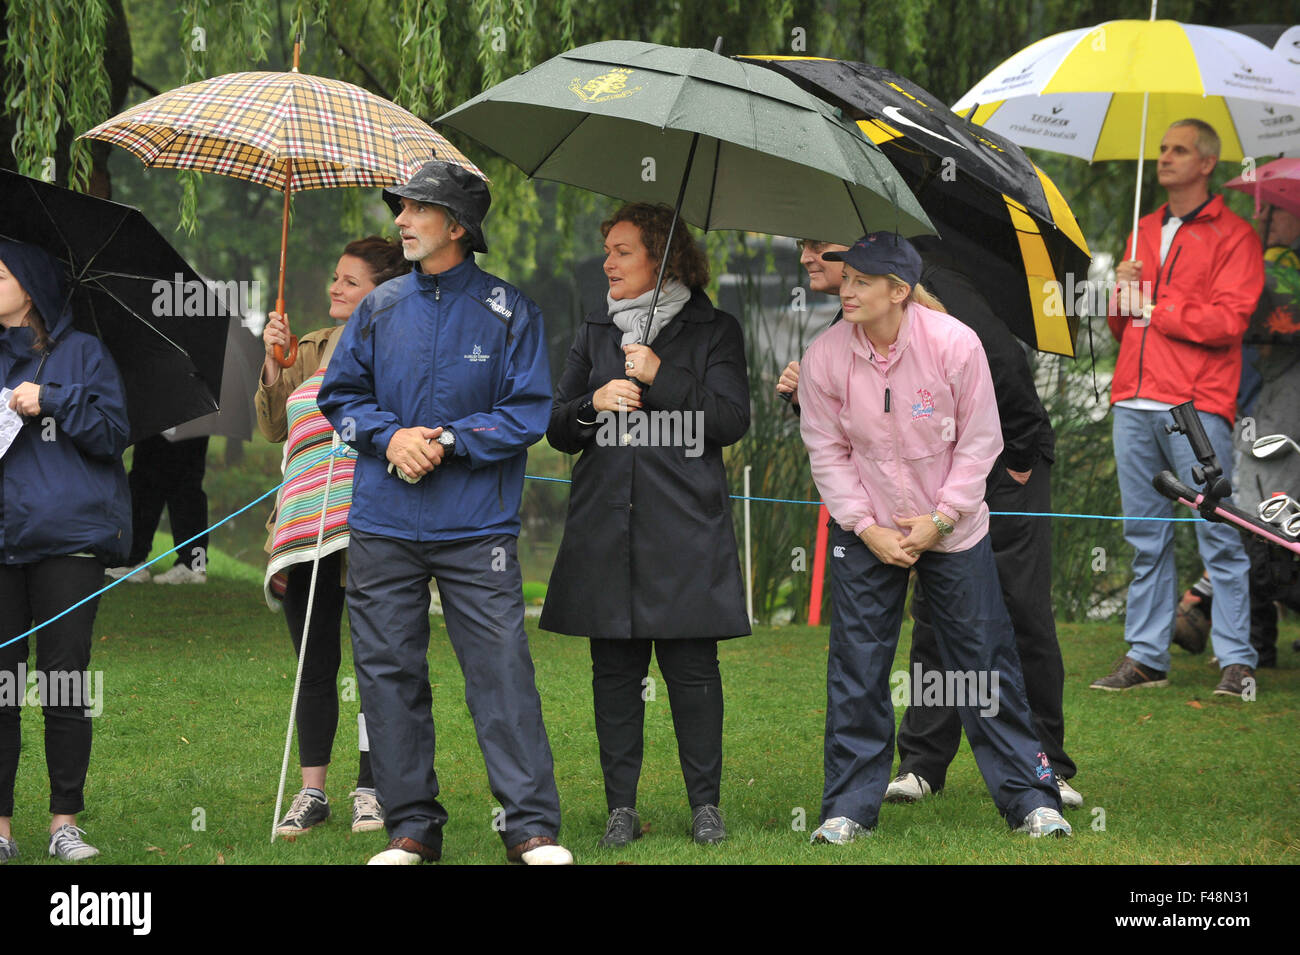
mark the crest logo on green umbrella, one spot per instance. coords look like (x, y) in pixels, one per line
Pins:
(607, 86)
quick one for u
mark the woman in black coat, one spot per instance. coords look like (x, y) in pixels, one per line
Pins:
(649, 560)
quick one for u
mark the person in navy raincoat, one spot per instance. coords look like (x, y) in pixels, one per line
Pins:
(65, 514)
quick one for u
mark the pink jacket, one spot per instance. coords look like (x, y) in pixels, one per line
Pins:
(935, 445)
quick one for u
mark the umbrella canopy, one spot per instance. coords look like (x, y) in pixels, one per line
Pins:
(1277, 183)
(633, 120)
(1084, 92)
(290, 131)
(239, 377)
(1283, 38)
(164, 327)
(258, 126)
(1016, 232)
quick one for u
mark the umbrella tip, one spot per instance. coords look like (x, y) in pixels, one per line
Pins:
(717, 45)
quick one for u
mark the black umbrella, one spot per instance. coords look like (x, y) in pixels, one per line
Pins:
(164, 326)
(992, 206)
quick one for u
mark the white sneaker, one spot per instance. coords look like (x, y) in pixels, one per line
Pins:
(839, 831)
(1071, 798)
(907, 787)
(180, 574)
(133, 574)
(1045, 822)
(395, 857)
(547, 855)
(66, 844)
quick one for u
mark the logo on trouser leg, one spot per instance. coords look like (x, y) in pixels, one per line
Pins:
(1044, 768)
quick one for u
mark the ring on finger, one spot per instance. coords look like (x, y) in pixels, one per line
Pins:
(629, 364)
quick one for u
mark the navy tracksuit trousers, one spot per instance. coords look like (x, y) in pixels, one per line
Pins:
(975, 637)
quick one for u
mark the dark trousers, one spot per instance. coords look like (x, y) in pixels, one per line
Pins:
(690, 668)
(1022, 549)
(481, 589)
(31, 594)
(975, 637)
(318, 697)
(169, 474)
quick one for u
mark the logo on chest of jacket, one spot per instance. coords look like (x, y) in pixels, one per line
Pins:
(477, 355)
(925, 407)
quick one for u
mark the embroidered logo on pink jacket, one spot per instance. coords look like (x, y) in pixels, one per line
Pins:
(925, 407)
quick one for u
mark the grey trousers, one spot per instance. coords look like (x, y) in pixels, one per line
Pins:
(482, 598)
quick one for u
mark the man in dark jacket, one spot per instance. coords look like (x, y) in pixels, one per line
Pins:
(441, 383)
(1183, 303)
(1022, 546)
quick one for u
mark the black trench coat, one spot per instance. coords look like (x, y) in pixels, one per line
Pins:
(649, 550)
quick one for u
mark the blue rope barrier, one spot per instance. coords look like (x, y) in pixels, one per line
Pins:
(106, 589)
(538, 477)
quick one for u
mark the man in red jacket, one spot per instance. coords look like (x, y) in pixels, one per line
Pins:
(1182, 305)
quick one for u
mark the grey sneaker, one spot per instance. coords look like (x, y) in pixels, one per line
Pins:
(907, 787)
(1234, 682)
(839, 831)
(1071, 798)
(707, 827)
(66, 844)
(367, 814)
(1045, 822)
(305, 811)
(8, 850)
(623, 827)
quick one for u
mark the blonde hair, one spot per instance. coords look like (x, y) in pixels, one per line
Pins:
(919, 295)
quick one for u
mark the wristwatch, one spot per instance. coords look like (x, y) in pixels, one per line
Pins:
(447, 439)
(942, 524)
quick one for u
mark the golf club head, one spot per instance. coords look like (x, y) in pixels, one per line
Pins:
(1271, 444)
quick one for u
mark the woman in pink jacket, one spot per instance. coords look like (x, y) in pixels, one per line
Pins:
(902, 428)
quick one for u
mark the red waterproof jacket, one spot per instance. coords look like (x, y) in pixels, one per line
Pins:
(1203, 297)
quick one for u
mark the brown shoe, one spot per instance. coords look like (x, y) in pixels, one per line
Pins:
(405, 851)
(1128, 675)
(1191, 624)
(539, 850)
(1237, 680)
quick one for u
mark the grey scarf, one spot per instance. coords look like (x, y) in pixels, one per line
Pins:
(629, 313)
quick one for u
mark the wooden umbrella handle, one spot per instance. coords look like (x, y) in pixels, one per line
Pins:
(283, 359)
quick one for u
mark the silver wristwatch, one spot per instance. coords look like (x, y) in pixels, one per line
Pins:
(942, 524)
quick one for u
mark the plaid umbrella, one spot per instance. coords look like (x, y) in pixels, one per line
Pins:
(290, 131)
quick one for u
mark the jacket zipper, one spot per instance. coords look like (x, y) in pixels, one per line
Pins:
(1155, 295)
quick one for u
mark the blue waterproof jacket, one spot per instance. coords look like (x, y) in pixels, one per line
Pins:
(461, 350)
(64, 489)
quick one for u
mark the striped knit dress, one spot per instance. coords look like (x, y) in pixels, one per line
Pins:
(308, 454)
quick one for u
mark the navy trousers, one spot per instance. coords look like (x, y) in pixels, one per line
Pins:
(481, 589)
(975, 637)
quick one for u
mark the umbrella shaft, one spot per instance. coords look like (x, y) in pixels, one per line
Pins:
(672, 229)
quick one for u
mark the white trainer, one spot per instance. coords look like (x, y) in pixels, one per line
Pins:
(1071, 798)
(839, 831)
(133, 575)
(1045, 822)
(907, 787)
(180, 574)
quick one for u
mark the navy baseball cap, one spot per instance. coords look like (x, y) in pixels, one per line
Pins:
(882, 253)
(454, 188)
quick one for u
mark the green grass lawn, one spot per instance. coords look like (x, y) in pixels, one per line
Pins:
(197, 683)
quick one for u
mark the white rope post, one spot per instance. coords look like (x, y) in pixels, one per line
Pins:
(749, 571)
(306, 628)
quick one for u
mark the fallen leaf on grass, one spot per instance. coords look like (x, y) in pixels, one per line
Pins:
(155, 849)
(1195, 704)
(221, 860)
(1143, 719)
(184, 740)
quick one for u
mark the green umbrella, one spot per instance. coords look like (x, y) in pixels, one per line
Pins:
(733, 145)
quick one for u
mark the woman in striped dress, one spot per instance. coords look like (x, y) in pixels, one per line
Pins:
(318, 466)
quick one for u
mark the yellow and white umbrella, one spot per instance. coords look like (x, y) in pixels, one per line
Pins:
(1111, 91)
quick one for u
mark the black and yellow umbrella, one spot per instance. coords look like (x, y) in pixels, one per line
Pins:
(1001, 214)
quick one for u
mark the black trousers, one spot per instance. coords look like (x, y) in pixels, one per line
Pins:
(690, 668)
(318, 697)
(31, 594)
(169, 474)
(1022, 549)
